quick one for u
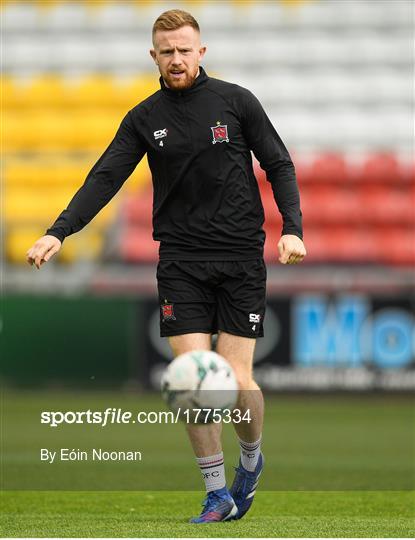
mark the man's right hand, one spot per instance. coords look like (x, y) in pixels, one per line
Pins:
(42, 250)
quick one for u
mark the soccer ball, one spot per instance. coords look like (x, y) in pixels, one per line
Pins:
(199, 386)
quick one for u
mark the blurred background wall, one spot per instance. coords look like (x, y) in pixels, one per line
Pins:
(336, 79)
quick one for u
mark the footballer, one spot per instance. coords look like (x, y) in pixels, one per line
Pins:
(198, 133)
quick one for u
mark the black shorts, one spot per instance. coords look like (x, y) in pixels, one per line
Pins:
(202, 296)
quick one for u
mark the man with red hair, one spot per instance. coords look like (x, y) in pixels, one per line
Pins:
(198, 133)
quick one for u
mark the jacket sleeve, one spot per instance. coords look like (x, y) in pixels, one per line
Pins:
(103, 181)
(275, 160)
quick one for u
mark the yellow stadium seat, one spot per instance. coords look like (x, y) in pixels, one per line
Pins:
(51, 91)
(139, 88)
(44, 173)
(58, 131)
(18, 240)
(34, 206)
(62, 173)
(11, 92)
(39, 92)
(84, 246)
(49, 113)
(28, 130)
(87, 245)
(45, 91)
(94, 91)
(89, 130)
(140, 177)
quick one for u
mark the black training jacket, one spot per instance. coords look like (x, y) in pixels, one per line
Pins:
(206, 203)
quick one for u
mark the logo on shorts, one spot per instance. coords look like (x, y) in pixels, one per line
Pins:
(167, 312)
(254, 317)
(220, 133)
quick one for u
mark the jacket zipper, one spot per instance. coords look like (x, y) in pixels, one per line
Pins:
(187, 123)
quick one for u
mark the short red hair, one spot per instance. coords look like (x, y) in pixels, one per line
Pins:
(175, 19)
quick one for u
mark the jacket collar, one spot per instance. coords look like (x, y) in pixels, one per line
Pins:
(199, 81)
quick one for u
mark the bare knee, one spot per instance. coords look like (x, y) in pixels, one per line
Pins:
(243, 373)
(239, 352)
(244, 379)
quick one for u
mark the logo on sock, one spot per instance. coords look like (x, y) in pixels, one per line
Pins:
(214, 474)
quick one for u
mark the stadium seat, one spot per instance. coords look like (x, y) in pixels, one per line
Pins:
(137, 208)
(272, 214)
(408, 172)
(330, 204)
(45, 91)
(386, 204)
(85, 246)
(88, 130)
(361, 245)
(381, 168)
(31, 206)
(331, 168)
(342, 244)
(10, 92)
(62, 173)
(18, 240)
(398, 245)
(94, 91)
(137, 245)
(134, 90)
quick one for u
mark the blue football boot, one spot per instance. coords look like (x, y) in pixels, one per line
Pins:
(218, 506)
(244, 486)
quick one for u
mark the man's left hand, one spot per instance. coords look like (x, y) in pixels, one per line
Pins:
(291, 248)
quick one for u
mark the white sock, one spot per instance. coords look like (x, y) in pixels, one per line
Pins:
(213, 471)
(250, 454)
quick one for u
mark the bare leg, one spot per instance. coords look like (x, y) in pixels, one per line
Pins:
(239, 352)
(206, 438)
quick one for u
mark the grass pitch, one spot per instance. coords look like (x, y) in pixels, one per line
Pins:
(166, 514)
(336, 466)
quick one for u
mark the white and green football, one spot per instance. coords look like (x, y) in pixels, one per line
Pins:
(199, 381)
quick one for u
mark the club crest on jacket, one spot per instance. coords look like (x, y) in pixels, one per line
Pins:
(220, 133)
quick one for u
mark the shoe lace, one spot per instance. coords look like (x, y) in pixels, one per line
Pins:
(210, 501)
(242, 480)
